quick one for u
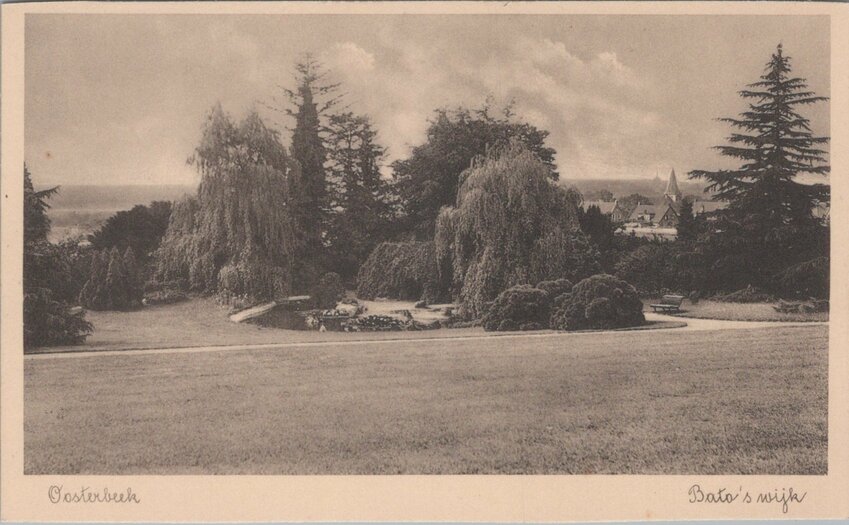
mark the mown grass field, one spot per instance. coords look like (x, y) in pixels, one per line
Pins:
(711, 402)
(744, 312)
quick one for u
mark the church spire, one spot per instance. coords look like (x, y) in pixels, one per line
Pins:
(672, 192)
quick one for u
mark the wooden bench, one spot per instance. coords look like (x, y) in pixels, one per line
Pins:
(669, 303)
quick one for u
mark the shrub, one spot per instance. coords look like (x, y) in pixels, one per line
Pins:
(507, 325)
(400, 270)
(533, 325)
(600, 301)
(49, 322)
(556, 288)
(517, 306)
(650, 267)
(112, 285)
(328, 291)
(806, 279)
(749, 294)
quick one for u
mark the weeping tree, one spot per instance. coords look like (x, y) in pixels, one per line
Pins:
(236, 237)
(769, 223)
(511, 225)
(430, 177)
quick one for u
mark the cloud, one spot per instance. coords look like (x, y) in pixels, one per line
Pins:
(593, 105)
(594, 108)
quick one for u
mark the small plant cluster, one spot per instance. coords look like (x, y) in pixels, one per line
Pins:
(598, 302)
(115, 281)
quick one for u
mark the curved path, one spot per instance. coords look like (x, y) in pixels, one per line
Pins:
(693, 324)
(718, 324)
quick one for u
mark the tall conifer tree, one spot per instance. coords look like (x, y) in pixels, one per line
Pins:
(769, 223)
(309, 189)
(363, 207)
(775, 144)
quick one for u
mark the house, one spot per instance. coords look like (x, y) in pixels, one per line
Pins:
(618, 213)
(665, 214)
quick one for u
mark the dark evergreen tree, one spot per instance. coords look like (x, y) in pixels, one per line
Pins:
(49, 319)
(686, 228)
(363, 209)
(93, 295)
(430, 177)
(135, 276)
(36, 221)
(310, 194)
(769, 223)
(600, 230)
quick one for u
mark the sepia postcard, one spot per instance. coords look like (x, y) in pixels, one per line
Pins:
(424, 261)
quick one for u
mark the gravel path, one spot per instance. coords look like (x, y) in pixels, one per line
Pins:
(716, 324)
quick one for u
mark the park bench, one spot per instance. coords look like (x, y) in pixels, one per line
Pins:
(668, 303)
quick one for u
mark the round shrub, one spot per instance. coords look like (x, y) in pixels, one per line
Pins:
(600, 301)
(556, 288)
(517, 306)
(329, 291)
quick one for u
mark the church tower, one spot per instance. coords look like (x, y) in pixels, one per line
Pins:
(672, 192)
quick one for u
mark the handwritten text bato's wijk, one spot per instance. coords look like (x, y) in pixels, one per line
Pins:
(782, 496)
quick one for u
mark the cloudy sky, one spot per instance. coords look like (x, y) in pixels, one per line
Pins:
(119, 99)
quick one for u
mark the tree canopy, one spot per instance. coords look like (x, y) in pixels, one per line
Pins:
(769, 223)
(430, 177)
(363, 209)
(140, 228)
(236, 237)
(48, 315)
(775, 144)
(511, 225)
(309, 189)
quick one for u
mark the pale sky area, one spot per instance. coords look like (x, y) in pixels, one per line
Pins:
(120, 99)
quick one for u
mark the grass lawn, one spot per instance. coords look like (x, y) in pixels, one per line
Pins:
(719, 402)
(743, 312)
(203, 322)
